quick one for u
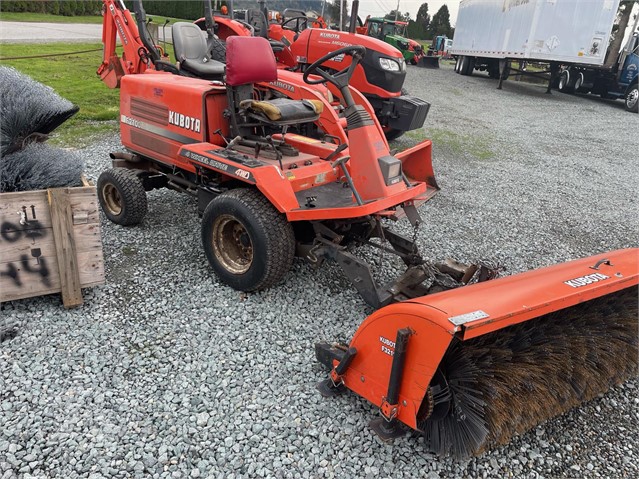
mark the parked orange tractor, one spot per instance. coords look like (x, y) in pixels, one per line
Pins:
(467, 359)
(299, 40)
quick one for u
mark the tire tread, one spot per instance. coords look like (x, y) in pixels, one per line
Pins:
(279, 235)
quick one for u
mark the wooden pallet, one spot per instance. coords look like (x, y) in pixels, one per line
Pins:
(50, 243)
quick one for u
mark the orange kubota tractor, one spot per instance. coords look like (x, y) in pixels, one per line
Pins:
(464, 358)
(299, 40)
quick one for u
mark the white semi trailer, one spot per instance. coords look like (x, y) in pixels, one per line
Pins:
(570, 36)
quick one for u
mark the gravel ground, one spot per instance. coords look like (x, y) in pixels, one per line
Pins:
(165, 372)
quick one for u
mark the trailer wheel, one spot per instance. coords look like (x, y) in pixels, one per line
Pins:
(458, 64)
(564, 82)
(249, 244)
(467, 65)
(122, 196)
(632, 98)
(463, 65)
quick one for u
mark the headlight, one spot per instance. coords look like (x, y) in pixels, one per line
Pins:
(389, 64)
(391, 169)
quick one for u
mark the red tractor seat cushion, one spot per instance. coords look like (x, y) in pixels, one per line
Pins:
(249, 60)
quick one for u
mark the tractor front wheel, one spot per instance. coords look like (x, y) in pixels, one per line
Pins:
(122, 196)
(393, 133)
(249, 244)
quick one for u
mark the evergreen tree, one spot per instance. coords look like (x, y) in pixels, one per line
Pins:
(440, 24)
(423, 18)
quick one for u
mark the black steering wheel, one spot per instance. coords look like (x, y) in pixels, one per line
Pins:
(342, 77)
(301, 24)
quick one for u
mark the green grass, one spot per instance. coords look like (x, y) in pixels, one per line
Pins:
(72, 77)
(475, 146)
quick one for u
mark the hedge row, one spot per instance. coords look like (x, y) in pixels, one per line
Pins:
(68, 8)
(187, 9)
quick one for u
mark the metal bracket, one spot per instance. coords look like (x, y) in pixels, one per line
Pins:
(600, 262)
(389, 411)
(334, 384)
(412, 214)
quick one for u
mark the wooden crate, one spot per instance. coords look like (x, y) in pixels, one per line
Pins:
(50, 243)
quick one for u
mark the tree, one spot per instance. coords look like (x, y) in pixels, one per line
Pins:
(618, 30)
(403, 17)
(423, 18)
(332, 13)
(440, 24)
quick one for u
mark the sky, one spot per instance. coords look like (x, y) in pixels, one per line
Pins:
(382, 7)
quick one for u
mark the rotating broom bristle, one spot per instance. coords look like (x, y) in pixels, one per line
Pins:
(508, 381)
(28, 107)
(39, 166)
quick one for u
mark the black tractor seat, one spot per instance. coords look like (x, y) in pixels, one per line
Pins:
(277, 46)
(191, 51)
(282, 111)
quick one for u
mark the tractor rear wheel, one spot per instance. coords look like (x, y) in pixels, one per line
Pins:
(122, 196)
(218, 50)
(249, 244)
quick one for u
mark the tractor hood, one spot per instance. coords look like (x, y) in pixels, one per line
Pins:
(330, 40)
(401, 42)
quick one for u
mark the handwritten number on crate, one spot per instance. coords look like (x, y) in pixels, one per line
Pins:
(28, 264)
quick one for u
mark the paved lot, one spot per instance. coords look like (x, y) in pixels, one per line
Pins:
(165, 372)
(26, 32)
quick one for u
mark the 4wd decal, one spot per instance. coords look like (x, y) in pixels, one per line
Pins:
(242, 173)
(585, 280)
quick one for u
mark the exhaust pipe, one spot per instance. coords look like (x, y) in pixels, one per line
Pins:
(354, 11)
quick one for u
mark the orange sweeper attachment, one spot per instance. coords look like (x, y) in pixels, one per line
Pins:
(470, 367)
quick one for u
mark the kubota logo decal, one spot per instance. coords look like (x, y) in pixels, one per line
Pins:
(123, 36)
(329, 35)
(282, 85)
(184, 121)
(388, 346)
(585, 280)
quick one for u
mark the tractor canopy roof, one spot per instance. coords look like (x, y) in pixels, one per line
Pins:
(386, 20)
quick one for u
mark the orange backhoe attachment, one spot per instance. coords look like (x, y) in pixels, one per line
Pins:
(470, 367)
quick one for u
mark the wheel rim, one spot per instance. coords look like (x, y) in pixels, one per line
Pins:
(112, 199)
(578, 82)
(633, 96)
(562, 81)
(232, 244)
